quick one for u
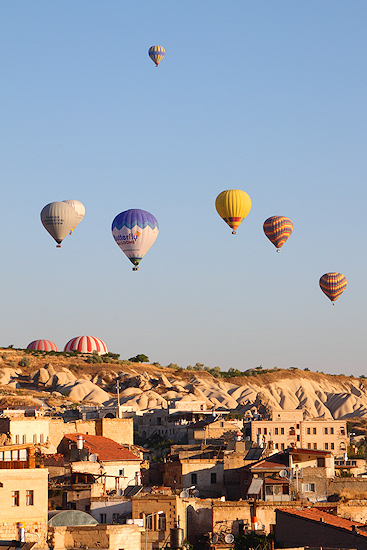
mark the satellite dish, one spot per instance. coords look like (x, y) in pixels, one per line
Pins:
(119, 492)
(215, 538)
(93, 458)
(283, 473)
(195, 493)
(184, 494)
(229, 538)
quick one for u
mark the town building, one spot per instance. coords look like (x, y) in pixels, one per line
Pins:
(315, 528)
(283, 429)
(23, 494)
(292, 475)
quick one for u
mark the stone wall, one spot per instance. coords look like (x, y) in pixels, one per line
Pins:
(119, 429)
(108, 537)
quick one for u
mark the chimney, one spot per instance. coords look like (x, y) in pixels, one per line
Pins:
(79, 442)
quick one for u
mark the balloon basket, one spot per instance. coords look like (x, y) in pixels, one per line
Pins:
(233, 232)
(58, 246)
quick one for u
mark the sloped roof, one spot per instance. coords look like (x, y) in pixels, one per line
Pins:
(273, 462)
(105, 448)
(329, 519)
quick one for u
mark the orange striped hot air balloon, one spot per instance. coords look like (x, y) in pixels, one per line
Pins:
(333, 285)
(233, 206)
(278, 229)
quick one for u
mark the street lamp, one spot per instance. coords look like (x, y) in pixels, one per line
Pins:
(146, 526)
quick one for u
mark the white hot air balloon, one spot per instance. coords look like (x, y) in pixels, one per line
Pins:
(58, 218)
(79, 210)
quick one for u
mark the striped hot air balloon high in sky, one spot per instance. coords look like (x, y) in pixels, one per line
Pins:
(278, 229)
(333, 285)
(156, 54)
(86, 344)
(42, 345)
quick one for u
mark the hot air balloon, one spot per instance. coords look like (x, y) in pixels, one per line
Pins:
(233, 206)
(135, 231)
(333, 285)
(156, 54)
(86, 344)
(278, 229)
(58, 218)
(42, 345)
(79, 210)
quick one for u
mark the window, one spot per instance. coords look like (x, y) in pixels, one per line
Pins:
(276, 431)
(34, 438)
(297, 426)
(17, 439)
(265, 431)
(332, 446)
(332, 431)
(24, 439)
(282, 431)
(314, 431)
(308, 431)
(15, 498)
(213, 478)
(29, 498)
(326, 446)
(121, 472)
(315, 445)
(276, 446)
(194, 479)
(259, 430)
(162, 522)
(298, 438)
(326, 431)
(148, 522)
(282, 446)
(115, 517)
(41, 438)
(308, 487)
(308, 445)
(103, 518)
(7, 456)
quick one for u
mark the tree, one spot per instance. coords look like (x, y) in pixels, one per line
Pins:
(141, 358)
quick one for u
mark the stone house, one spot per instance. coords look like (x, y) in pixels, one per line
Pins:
(285, 429)
(114, 466)
(316, 528)
(293, 474)
(23, 494)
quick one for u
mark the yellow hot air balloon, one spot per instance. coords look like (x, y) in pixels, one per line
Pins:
(233, 206)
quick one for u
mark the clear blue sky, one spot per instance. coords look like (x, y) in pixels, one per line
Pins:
(268, 97)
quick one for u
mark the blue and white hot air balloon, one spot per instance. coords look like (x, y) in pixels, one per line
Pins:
(135, 231)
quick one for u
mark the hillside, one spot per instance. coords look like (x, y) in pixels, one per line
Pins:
(56, 379)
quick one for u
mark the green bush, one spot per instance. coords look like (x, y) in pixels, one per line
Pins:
(24, 362)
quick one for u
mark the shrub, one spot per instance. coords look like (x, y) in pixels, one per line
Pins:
(94, 358)
(140, 358)
(24, 362)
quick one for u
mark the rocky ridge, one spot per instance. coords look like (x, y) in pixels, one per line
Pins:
(147, 386)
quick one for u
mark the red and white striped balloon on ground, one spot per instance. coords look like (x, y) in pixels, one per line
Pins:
(42, 345)
(86, 344)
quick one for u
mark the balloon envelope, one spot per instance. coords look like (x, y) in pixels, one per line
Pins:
(79, 210)
(42, 345)
(156, 54)
(58, 218)
(135, 231)
(333, 285)
(86, 344)
(233, 206)
(278, 229)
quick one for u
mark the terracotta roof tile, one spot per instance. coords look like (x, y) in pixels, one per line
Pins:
(105, 448)
(317, 515)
